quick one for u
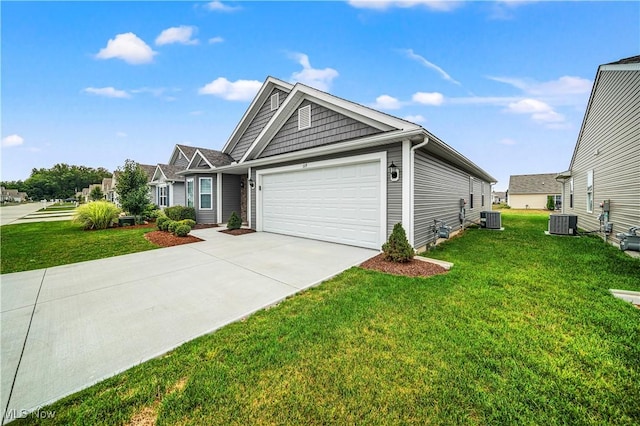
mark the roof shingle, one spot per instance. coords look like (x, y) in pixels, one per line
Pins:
(534, 184)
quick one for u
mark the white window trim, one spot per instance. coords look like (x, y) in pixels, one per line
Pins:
(381, 157)
(471, 201)
(589, 191)
(304, 110)
(200, 193)
(571, 199)
(219, 198)
(275, 101)
(193, 193)
(166, 196)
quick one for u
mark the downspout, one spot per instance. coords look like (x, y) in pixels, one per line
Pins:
(412, 176)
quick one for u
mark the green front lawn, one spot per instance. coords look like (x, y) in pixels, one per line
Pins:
(522, 330)
(28, 246)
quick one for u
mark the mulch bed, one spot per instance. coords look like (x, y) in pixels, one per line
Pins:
(413, 268)
(240, 231)
(167, 239)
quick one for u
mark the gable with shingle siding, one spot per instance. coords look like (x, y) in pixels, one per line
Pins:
(327, 127)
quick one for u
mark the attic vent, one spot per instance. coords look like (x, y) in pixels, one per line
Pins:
(275, 101)
(304, 117)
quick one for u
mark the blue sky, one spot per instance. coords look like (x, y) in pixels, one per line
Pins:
(504, 83)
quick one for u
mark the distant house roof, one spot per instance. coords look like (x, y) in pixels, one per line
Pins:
(212, 157)
(500, 194)
(148, 169)
(187, 150)
(534, 184)
(170, 172)
(630, 60)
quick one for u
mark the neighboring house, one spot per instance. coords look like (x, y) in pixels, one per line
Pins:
(498, 197)
(12, 195)
(531, 191)
(309, 164)
(167, 185)
(106, 189)
(605, 163)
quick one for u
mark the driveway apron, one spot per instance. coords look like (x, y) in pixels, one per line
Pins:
(68, 327)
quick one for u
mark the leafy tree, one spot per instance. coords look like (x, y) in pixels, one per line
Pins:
(96, 194)
(131, 187)
(60, 181)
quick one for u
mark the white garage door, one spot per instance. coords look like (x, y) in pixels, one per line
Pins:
(340, 204)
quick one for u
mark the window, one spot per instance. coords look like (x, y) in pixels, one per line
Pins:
(482, 194)
(304, 117)
(571, 193)
(590, 191)
(190, 197)
(470, 193)
(275, 101)
(163, 196)
(205, 194)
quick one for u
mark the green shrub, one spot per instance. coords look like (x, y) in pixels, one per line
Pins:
(180, 213)
(189, 222)
(551, 204)
(160, 221)
(172, 226)
(397, 248)
(96, 215)
(182, 230)
(234, 221)
(165, 224)
(151, 212)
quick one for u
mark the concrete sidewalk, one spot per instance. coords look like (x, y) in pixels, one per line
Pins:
(68, 327)
(13, 214)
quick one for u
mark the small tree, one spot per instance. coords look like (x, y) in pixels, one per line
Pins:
(551, 205)
(234, 221)
(96, 194)
(131, 187)
(397, 248)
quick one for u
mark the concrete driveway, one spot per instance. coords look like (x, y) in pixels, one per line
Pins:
(13, 214)
(68, 327)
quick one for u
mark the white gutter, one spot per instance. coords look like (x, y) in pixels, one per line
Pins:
(412, 177)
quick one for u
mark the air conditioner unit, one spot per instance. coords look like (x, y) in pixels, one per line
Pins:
(563, 224)
(490, 220)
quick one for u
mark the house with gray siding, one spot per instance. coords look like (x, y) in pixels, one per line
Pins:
(532, 191)
(605, 165)
(303, 162)
(166, 185)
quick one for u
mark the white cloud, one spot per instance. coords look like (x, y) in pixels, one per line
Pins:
(412, 55)
(12, 140)
(108, 92)
(319, 78)
(507, 141)
(426, 98)
(415, 118)
(239, 90)
(121, 134)
(181, 34)
(215, 40)
(129, 48)
(218, 6)
(538, 110)
(387, 102)
(381, 5)
(565, 85)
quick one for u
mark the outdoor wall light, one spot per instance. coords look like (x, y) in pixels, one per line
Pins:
(252, 184)
(241, 184)
(394, 172)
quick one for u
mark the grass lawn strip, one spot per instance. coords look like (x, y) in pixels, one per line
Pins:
(521, 331)
(29, 246)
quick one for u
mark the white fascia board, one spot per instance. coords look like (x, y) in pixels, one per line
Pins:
(153, 178)
(300, 93)
(251, 112)
(621, 67)
(198, 153)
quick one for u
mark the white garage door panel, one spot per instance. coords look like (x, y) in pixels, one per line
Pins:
(338, 204)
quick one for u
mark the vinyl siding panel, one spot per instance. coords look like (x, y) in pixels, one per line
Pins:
(394, 189)
(438, 188)
(612, 127)
(257, 125)
(327, 127)
(528, 201)
(204, 216)
(178, 194)
(181, 161)
(230, 196)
